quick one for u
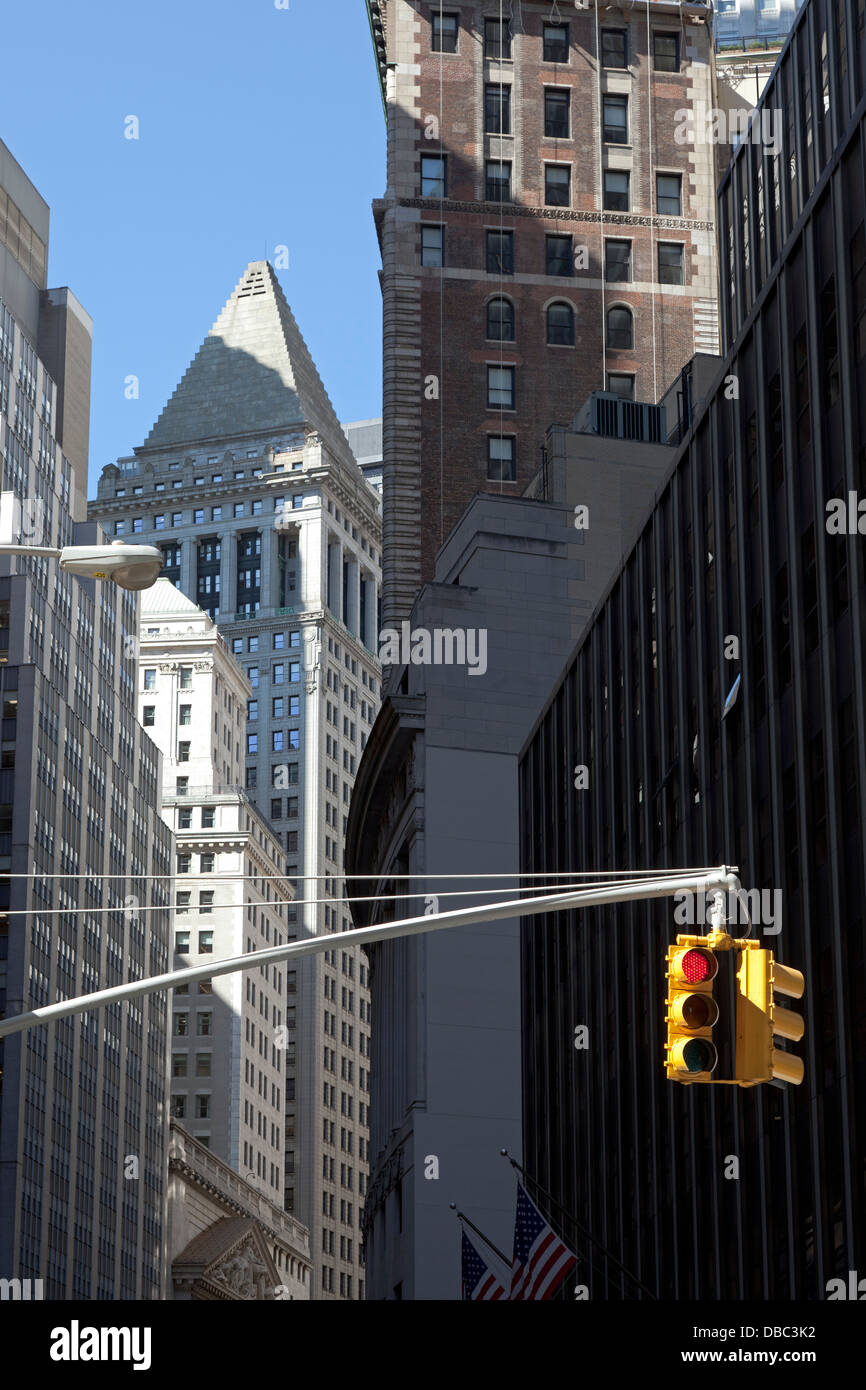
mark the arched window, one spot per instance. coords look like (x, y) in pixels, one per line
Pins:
(500, 320)
(620, 328)
(560, 324)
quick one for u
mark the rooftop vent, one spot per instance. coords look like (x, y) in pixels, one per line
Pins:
(615, 418)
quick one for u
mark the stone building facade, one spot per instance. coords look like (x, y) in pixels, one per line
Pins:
(249, 484)
(226, 1241)
(229, 1059)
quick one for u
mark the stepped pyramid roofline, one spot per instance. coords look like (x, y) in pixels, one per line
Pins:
(253, 374)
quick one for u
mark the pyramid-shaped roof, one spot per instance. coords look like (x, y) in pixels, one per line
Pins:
(253, 373)
(164, 597)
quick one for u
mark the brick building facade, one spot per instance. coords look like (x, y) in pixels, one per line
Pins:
(546, 231)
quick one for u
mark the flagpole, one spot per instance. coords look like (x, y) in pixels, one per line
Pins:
(489, 1243)
(577, 1224)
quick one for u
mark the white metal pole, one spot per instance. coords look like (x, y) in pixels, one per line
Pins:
(658, 887)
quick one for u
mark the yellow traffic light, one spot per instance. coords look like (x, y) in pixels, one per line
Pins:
(759, 1018)
(710, 1042)
(692, 1011)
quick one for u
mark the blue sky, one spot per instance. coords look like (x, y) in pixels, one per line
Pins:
(258, 128)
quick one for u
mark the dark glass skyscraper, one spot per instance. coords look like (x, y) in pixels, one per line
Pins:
(750, 565)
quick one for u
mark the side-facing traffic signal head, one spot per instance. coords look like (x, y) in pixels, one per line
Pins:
(692, 1012)
(759, 1018)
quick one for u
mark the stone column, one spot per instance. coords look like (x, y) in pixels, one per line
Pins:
(228, 575)
(352, 618)
(188, 567)
(335, 577)
(270, 560)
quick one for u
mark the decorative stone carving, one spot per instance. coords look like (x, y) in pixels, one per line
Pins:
(245, 1275)
(622, 219)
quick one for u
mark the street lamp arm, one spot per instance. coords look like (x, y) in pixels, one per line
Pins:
(638, 890)
(46, 550)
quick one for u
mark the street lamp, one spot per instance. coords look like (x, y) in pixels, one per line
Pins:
(130, 566)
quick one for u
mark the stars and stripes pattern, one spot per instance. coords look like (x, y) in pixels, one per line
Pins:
(541, 1261)
(478, 1282)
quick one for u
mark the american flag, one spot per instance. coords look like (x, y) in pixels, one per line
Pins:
(478, 1282)
(541, 1261)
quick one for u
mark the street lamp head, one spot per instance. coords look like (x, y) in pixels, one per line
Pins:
(129, 566)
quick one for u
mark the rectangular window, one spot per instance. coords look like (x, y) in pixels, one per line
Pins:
(207, 817)
(205, 902)
(185, 715)
(181, 902)
(198, 516)
(613, 48)
(669, 195)
(186, 678)
(434, 180)
(183, 752)
(555, 41)
(666, 52)
(276, 808)
(148, 716)
(178, 1064)
(252, 709)
(159, 522)
(497, 38)
(204, 1025)
(621, 384)
(617, 260)
(671, 270)
(497, 108)
(253, 674)
(180, 1025)
(205, 943)
(501, 462)
(500, 388)
(202, 1107)
(252, 743)
(557, 106)
(238, 509)
(150, 678)
(278, 674)
(500, 253)
(443, 33)
(433, 246)
(559, 259)
(616, 190)
(557, 185)
(615, 119)
(203, 1064)
(206, 863)
(181, 943)
(498, 181)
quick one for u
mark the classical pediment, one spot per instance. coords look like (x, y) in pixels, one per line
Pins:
(229, 1260)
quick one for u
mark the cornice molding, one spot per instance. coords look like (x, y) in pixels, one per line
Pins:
(616, 219)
